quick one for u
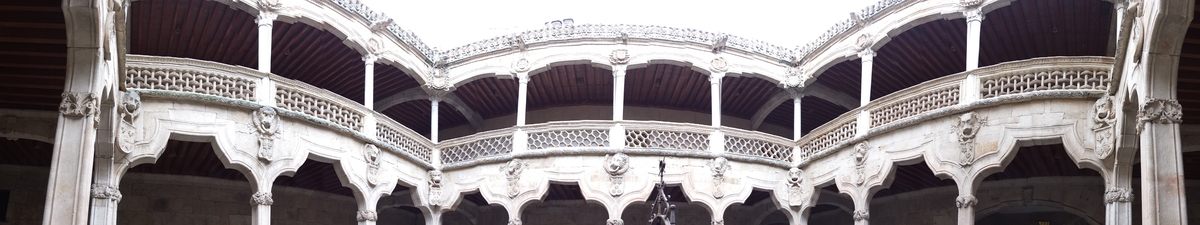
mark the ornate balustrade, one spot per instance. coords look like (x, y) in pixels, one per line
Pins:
(666, 135)
(821, 139)
(754, 143)
(921, 98)
(403, 139)
(303, 98)
(570, 134)
(192, 76)
(475, 146)
(1058, 73)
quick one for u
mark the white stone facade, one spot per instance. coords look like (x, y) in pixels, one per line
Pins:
(964, 126)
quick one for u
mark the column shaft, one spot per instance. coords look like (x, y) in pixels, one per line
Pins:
(868, 59)
(433, 119)
(618, 93)
(369, 85)
(265, 22)
(974, 23)
(715, 80)
(796, 115)
(522, 95)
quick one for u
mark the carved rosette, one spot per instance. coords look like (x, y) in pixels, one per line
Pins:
(1103, 118)
(619, 57)
(371, 155)
(367, 215)
(261, 198)
(435, 187)
(79, 105)
(1162, 111)
(965, 201)
(512, 172)
(109, 192)
(615, 222)
(860, 215)
(1113, 195)
(796, 194)
(130, 129)
(514, 221)
(520, 66)
(719, 65)
(719, 166)
(966, 129)
(266, 124)
(616, 165)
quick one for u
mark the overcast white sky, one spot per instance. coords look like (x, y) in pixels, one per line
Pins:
(446, 24)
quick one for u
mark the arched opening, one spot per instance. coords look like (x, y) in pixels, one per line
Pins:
(925, 52)
(188, 183)
(910, 198)
(832, 207)
(397, 208)
(743, 97)
(564, 205)
(686, 211)
(1039, 177)
(756, 210)
(474, 210)
(318, 197)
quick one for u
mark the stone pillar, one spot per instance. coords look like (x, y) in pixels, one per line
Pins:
(369, 77)
(433, 118)
(1162, 162)
(618, 92)
(522, 96)
(868, 59)
(714, 79)
(261, 206)
(433, 218)
(966, 207)
(265, 22)
(974, 23)
(105, 194)
(797, 132)
(367, 216)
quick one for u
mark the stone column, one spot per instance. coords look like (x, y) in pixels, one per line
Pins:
(797, 96)
(265, 22)
(1162, 161)
(369, 77)
(974, 23)
(433, 118)
(966, 207)
(618, 92)
(868, 59)
(714, 79)
(105, 194)
(522, 96)
(433, 218)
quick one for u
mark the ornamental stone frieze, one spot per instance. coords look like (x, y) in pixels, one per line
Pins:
(109, 192)
(512, 173)
(1162, 111)
(129, 110)
(79, 105)
(966, 129)
(435, 188)
(261, 198)
(371, 155)
(1103, 119)
(616, 165)
(719, 167)
(266, 124)
(366, 215)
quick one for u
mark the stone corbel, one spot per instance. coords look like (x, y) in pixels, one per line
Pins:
(435, 188)
(797, 194)
(1104, 118)
(512, 173)
(129, 110)
(719, 167)
(616, 165)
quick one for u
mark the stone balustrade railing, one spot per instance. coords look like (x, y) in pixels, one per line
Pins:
(952, 92)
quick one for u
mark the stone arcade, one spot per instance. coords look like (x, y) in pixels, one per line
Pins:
(327, 112)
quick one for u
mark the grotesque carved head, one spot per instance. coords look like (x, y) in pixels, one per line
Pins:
(795, 176)
(435, 178)
(129, 106)
(719, 166)
(371, 154)
(513, 169)
(617, 164)
(267, 120)
(860, 153)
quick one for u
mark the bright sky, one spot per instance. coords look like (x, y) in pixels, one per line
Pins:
(446, 24)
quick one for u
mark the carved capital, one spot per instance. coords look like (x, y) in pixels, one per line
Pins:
(615, 222)
(718, 222)
(965, 201)
(1163, 111)
(75, 104)
(867, 55)
(860, 215)
(265, 19)
(973, 14)
(619, 57)
(367, 215)
(103, 191)
(719, 65)
(261, 198)
(1118, 195)
(514, 221)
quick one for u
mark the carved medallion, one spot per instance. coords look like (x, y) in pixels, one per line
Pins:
(859, 175)
(863, 42)
(266, 124)
(371, 154)
(1103, 118)
(619, 57)
(512, 172)
(616, 165)
(375, 46)
(521, 65)
(966, 129)
(795, 77)
(719, 65)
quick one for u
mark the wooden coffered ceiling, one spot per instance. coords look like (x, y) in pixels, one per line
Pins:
(1189, 72)
(33, 54)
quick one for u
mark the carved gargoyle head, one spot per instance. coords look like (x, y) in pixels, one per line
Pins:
(266, 120)
(617, 164)
(795, 176)
(130, 104)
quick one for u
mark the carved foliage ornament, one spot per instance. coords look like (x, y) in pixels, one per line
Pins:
(964, 201)
(619, 57)
(371, 155)
(966, 129)
(512, 172)
(1163, 111)
(616, 165)
(863, 42)
(514, 221)
(79, 105)
(266, 124)
(102, 191)
(615, 222)
(270, 5)
(367, 215)
(1118, 195)
(129, 111)
(261, 198)
(719, 166)
(1103, 118)
(860, 215)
